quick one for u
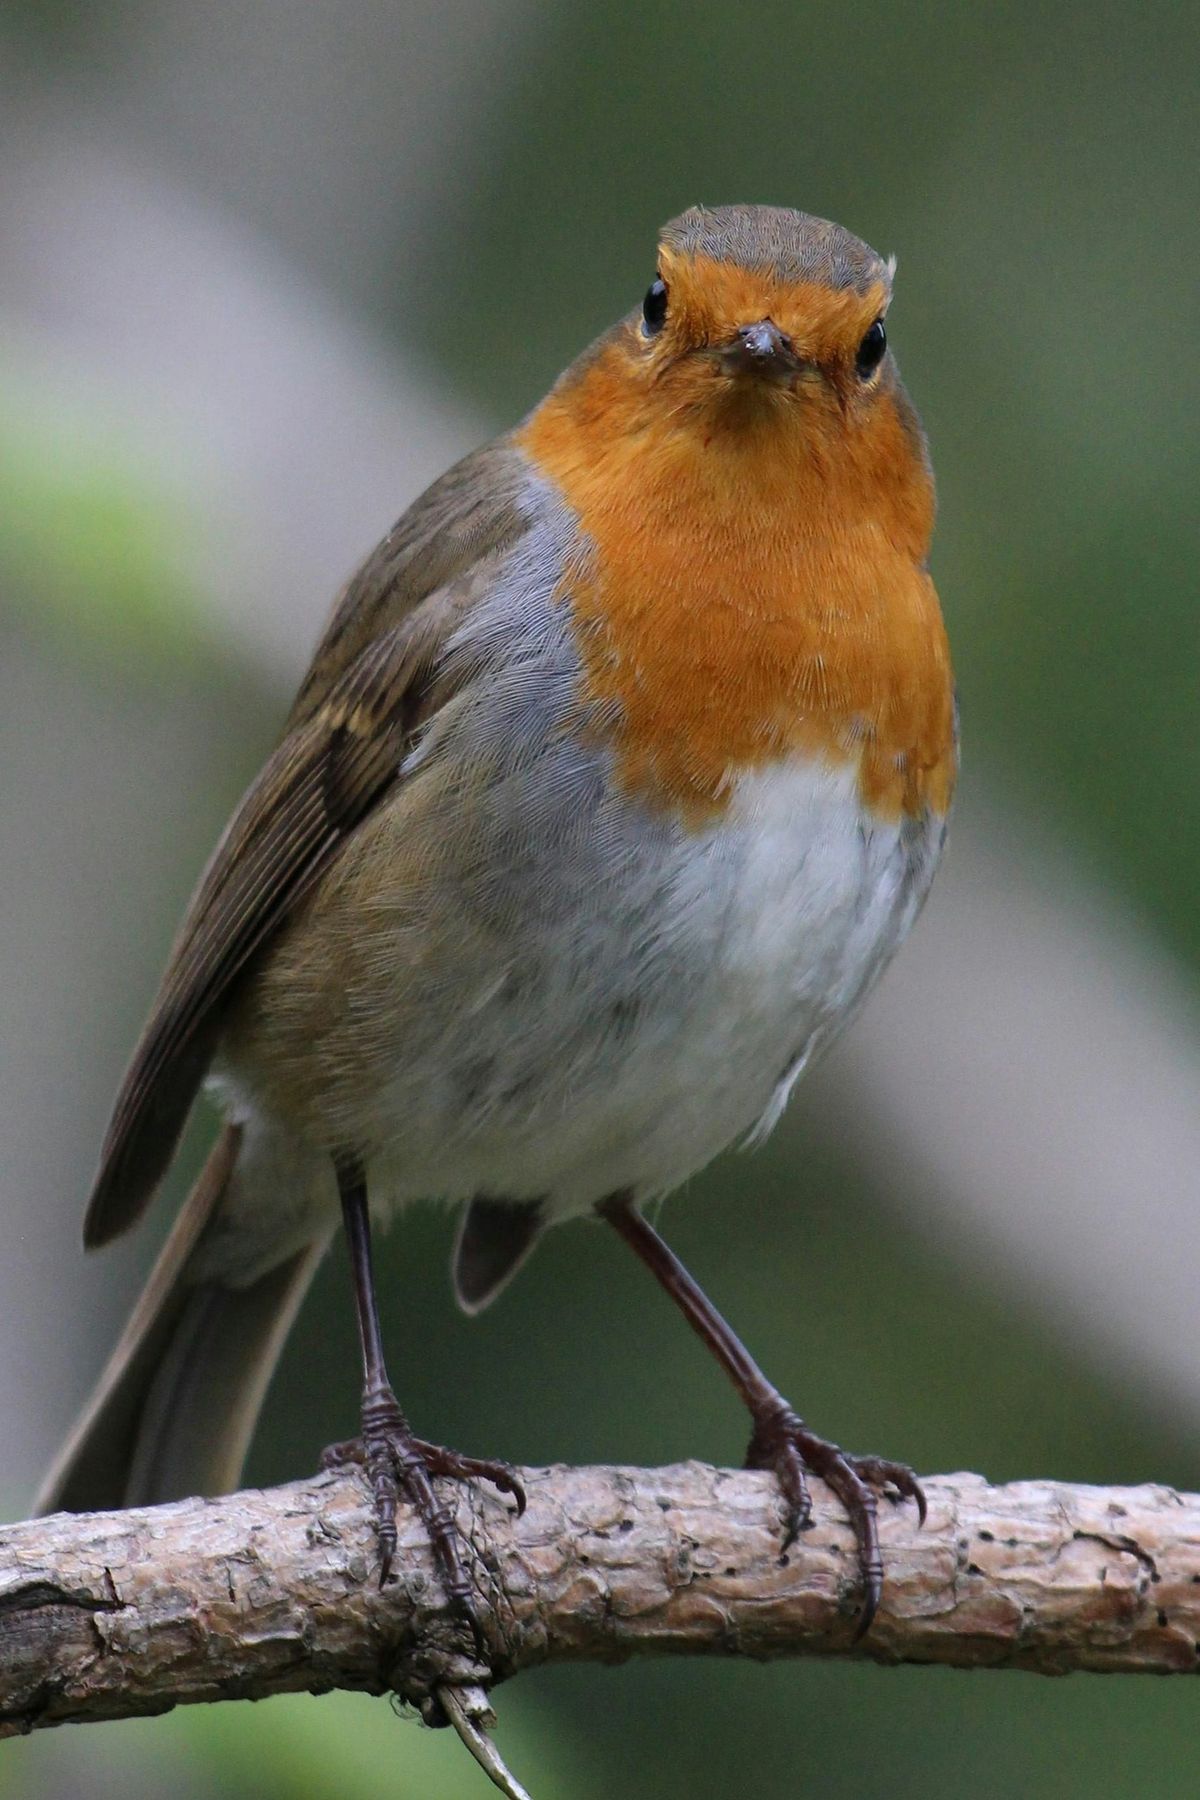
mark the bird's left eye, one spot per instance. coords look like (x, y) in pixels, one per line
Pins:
(654, 306)
(871, 351)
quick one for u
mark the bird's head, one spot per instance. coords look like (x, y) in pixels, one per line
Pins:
(757, 366)
(756, 306)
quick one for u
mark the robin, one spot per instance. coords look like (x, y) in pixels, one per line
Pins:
(620, 772)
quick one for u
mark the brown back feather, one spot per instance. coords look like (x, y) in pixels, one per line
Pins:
(371, 685)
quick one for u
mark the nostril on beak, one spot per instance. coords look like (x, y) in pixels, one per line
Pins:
(763, 340)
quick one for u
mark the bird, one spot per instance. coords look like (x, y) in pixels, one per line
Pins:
(622, 768)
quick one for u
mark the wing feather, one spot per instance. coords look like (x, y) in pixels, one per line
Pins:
(357, 715)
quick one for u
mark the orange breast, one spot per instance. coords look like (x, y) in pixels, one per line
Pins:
(752, 585)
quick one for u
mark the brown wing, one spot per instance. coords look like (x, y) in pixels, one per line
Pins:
(371, 684)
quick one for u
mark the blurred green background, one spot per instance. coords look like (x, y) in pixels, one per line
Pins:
(264, 270)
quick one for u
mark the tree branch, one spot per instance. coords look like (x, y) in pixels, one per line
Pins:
(110, 1615)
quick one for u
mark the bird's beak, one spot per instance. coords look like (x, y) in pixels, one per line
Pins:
(763, 350)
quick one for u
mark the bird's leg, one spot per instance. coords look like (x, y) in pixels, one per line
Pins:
(780, 1440)
(396, 1461)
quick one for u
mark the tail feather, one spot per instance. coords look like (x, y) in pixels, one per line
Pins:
(174, 1410)
(203, 1403)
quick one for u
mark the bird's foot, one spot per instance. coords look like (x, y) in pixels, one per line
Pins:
(399, 1464)
(784, 1443)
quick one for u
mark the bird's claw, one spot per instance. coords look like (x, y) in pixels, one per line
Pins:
(399, 1464)
(782, 1442)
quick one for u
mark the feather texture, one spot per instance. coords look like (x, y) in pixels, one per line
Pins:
(373, 682)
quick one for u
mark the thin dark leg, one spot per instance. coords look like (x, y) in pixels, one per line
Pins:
(781, 1441)
(394, 1458)
(352, 1188)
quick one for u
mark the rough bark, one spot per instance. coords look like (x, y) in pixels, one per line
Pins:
(109, 1615)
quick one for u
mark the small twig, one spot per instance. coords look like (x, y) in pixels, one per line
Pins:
(468, 1711)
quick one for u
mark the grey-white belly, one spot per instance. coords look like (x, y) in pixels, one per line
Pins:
(578, 995)
(632, 1024)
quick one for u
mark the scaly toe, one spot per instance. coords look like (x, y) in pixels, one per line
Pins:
(440, 1461)
(347, 1450)
(894, 1479)
(782, 1442)
(399, 1465)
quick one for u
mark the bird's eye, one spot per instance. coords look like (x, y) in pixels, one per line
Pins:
(654, 306)
(871, 351)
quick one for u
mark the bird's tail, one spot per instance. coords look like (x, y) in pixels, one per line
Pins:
(174, 1410)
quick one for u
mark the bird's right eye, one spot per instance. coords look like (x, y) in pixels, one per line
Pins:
(654, 306)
